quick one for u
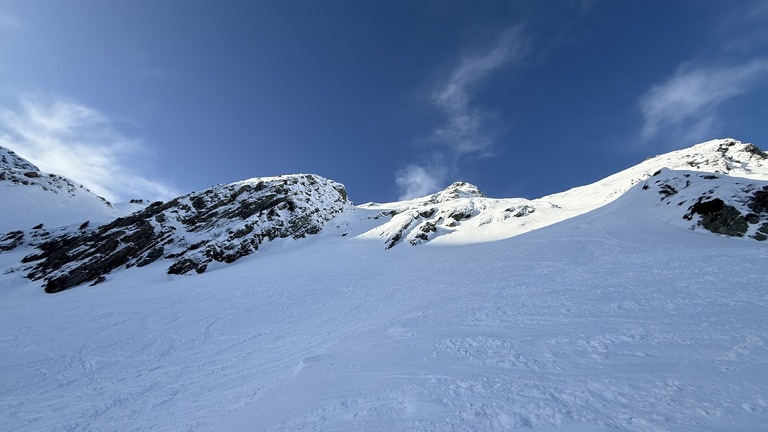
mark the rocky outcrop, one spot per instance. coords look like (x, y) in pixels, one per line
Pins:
(455, 191)
(422, 220)
(11, 240)
(223, 223)
(720, 218)
(717, 203)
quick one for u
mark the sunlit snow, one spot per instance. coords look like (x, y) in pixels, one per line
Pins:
(611, 315)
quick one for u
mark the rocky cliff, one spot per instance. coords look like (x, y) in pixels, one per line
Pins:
(223, 223)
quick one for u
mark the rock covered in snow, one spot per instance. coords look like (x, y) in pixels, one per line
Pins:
(10, 161)
(17, 170)
(727, 156)
(736, 207)
(223, 223)
(425, 219)
(31, 197)
(455, 191)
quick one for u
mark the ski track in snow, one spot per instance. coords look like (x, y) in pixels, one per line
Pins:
(587, 325)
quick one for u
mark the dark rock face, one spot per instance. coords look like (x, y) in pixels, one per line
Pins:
(11, 240)
(721, 218)
(759, 201)
(722, 205)
(666, 191)
(755, 150)
(223, 223)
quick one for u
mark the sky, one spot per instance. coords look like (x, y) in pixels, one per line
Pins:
(397, 99)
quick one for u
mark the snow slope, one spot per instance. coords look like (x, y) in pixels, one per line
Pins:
(470, 217)
(613, 320)
(31, 197)
(633, 316)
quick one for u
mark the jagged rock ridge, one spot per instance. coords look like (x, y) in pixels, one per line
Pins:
(222, 223)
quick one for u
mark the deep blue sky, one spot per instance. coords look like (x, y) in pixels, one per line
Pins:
(522, 98)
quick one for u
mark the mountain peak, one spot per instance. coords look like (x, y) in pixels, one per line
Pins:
(725, 155)
(455, 191)
(11, 161)
(31, 197)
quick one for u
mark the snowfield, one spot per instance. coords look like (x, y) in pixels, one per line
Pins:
(607, 307)
(613, 320)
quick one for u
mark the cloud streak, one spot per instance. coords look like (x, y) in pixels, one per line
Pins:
(417, 181)
(688, 104)
(463, 132)
(80, 143)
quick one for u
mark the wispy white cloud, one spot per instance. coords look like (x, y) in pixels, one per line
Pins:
(80, 143)
(688, 104)
(417, 181)
(464, 131)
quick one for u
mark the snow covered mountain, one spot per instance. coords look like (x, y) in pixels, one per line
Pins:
(462, 214)
(227, 222)
(31, 197)
(636, 303)
(222, 224)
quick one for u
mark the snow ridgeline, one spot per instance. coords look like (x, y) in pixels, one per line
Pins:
(31, 197)
(227, 222)
(223, 224)
(462, 214)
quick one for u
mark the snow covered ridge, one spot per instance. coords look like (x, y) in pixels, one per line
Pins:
(31, 197)
(221, 224)
(19, 171)
(462, 214)
(442, 214)
(718, 186)
(10, 161)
